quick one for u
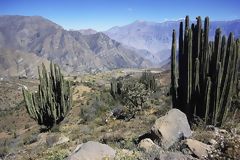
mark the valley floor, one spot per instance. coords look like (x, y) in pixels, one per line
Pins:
(89, 120)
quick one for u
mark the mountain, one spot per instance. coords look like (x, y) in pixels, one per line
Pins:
(74, 52)
(87, 31)
(15, 62)
(156, 37)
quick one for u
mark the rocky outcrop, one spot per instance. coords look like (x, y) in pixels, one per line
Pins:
(171, 127)
(92, 151)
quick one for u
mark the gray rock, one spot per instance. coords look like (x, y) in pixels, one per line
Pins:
(212, 142)
(148, 145)
(53, 140)
(198, 148)
(171, 127)
(161, 155)
(62, 139)
(174, 156)
(92, 151)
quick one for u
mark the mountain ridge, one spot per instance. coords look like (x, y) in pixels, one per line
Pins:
(73, 51)
(155, 37)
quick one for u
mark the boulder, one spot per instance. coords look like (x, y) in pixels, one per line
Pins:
(148, 145)
(92, 151)
(171, 127)
(198, 148)
(53, 140)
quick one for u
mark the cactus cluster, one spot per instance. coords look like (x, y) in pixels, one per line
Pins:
(203, 82)
(121, 86)
(50, 104)
(130, 92)
(149, 80)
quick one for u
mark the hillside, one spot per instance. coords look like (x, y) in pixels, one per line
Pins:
(15, 62)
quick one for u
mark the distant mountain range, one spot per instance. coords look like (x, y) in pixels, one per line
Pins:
(156, 37)
(74, 51)
(27, 41)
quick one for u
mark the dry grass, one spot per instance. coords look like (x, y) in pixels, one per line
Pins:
(85, 121)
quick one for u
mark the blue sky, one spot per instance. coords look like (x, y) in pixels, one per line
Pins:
(104, 14)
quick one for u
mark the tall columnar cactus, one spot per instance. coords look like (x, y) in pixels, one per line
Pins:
(51, 103)
(207, 72)
(174, 70)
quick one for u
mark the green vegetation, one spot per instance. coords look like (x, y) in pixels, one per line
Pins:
(136, 93)
(51, 103)
(206, 74)
(60, 154)
(149, 80)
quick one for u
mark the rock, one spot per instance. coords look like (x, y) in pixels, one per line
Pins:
(111, 137)
(62, 139)
(121, 113)
(210, 128)
(148, 145)
(92, 151)
(53, 140)
(171, 127)
(174, 156)
(198, 148)
(212, 142)
(167, 156)
(22, 77)
(223, 131)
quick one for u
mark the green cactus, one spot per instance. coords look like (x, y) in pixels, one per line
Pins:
(174, 70)
(207, 72)
(149, 80)
(51, 103)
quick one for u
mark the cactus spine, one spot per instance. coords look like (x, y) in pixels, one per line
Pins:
(50, 104)
(207, 72)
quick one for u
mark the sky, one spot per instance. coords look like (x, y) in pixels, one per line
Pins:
(104, 14)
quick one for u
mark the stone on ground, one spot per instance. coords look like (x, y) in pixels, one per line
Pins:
(171, 127)
(198, 148)
(148, 145)
(92, 151)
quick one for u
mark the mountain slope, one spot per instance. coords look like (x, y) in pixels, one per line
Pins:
(74, 52)
(15, 62)
(87, 31)
(156, 37)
